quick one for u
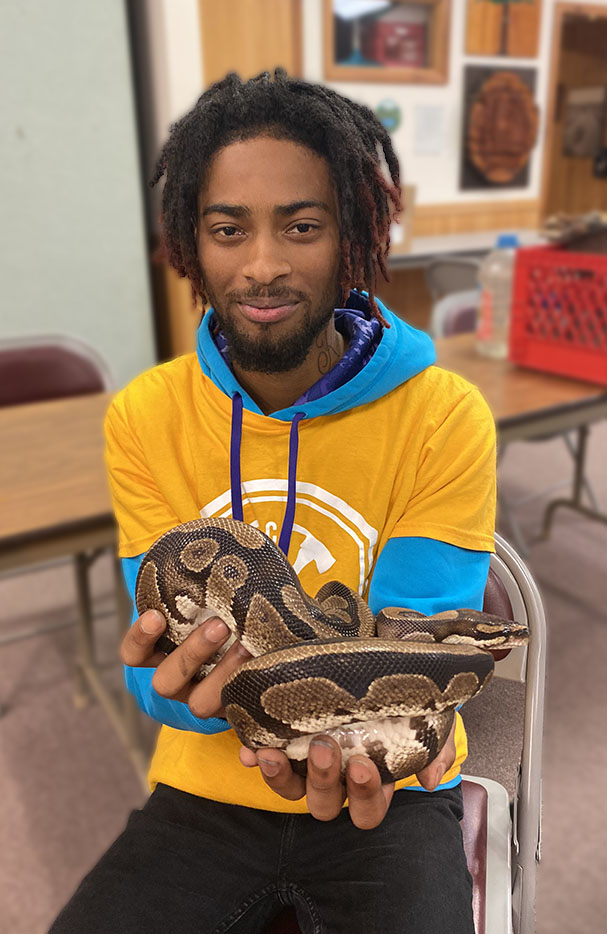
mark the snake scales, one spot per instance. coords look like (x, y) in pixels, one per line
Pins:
(386, 686)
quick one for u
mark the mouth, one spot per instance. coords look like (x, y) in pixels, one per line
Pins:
(267, 310)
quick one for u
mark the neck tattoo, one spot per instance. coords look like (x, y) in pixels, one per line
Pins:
(329, 351)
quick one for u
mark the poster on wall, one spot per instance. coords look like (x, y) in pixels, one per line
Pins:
(503, 27)
(386, 40)
(584, 121)
(499, 127)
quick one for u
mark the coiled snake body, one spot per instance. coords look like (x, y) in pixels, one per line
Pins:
(387, 686)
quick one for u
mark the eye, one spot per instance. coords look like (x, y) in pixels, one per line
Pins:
(226, 232)
(304, 227)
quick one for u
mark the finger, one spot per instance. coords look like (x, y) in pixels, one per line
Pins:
(176, 671)
(325, 791)
(368, 799)
(138, 645)
(205, 697)
(278, 774)
(247, 757)
(430, 776)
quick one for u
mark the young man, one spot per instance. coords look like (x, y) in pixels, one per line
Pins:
(312, 412)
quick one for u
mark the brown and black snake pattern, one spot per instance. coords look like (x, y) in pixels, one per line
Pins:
(385, 686)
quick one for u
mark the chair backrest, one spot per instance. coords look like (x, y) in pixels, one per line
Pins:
(528, 664)
(34, 369)
(454, 314)
(447, 274)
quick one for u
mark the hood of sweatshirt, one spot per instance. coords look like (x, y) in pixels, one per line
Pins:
(402, 352)
(392, 357)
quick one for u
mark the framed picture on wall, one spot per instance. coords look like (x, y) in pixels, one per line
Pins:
(499, 127)
(380, 40)
(584, 121)
(503, 27)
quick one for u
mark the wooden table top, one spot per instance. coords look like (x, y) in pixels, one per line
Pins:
(515, 394)
(52, 472)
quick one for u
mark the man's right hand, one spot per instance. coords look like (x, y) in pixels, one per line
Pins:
(174, 672)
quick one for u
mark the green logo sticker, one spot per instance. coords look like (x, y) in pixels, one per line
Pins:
(389, 114)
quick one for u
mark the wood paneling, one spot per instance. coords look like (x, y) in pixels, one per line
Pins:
(178, 317)
(465, 217)
(524, 29)
(249, 36)
(578, 60)
(407, 295)
(503, 28)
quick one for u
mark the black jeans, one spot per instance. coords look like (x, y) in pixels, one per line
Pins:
(185, 865)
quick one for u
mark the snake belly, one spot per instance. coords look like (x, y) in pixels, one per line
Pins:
(319, 665)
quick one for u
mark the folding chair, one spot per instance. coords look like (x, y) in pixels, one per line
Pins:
(504, 890)
(447, 274)
(52, 366)
(502, 840)
(455, 313)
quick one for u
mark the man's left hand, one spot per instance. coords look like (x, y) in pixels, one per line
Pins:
(368, 799)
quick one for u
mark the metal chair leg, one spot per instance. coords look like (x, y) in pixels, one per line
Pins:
(86, 644)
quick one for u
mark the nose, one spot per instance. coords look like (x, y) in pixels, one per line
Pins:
(266, 260)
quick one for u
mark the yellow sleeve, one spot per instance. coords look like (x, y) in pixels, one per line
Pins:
(454, 494)
(142, 512)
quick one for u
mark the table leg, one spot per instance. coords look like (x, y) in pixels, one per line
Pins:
(122, 710)
(86, 646)
(579, 484)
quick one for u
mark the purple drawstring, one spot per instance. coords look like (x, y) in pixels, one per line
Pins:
(235, 477)
(235, 439)
(287, 523)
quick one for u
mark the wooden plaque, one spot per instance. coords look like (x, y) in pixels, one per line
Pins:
(502, 127)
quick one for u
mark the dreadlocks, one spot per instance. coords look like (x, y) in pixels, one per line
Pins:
(346, 134)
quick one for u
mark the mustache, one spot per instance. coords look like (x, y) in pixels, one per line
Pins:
(285, 296)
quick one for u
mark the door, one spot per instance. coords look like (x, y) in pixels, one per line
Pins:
(577, 111)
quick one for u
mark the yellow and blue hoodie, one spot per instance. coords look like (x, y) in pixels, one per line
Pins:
(382, 475)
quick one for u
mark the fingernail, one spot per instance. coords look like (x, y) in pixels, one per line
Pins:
(268, 767)
(359, 772)
(321, 753)
(152, 622)
(216, 631)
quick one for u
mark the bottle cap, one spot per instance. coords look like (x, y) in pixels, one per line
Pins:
(506, 241)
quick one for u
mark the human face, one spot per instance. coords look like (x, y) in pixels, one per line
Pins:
(268, 245)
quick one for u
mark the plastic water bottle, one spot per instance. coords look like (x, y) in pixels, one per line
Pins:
(495, 278)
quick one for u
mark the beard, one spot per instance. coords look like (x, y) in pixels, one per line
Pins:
(270, 352)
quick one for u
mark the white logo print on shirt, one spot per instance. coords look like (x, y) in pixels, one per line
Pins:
(313, 502)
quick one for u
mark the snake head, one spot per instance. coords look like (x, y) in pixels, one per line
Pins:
(463, 626)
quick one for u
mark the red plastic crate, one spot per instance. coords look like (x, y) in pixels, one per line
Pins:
(559, 313)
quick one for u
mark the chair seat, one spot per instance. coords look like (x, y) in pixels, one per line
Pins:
(474, 832)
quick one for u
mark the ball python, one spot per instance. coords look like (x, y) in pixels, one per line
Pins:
(386, 686)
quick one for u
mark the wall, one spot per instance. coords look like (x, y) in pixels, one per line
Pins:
(436, 177)
(71, 234)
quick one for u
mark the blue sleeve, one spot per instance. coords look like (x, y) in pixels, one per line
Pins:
(139, 681)
(429, 576)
